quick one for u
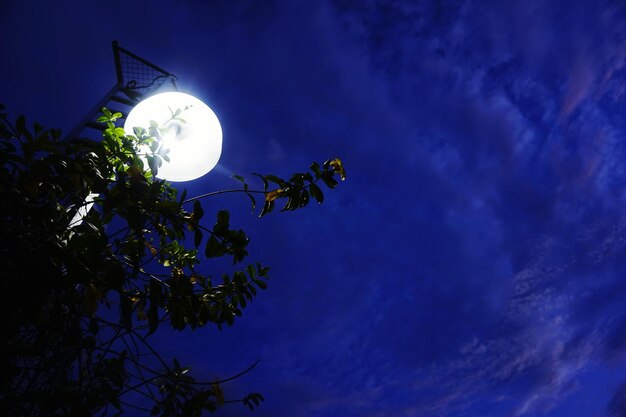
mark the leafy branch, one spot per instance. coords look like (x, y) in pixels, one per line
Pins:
(140, 255)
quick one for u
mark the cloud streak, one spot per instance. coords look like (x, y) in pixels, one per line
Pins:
(525, 135)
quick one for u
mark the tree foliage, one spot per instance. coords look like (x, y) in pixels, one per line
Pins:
(83, 289)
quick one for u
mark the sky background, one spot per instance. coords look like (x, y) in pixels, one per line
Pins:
(472, 264)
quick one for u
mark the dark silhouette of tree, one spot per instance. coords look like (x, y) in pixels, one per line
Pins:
(84, 288)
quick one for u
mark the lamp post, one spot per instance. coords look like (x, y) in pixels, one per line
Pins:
(193, 138)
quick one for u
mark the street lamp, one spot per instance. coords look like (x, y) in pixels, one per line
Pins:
(193, 137)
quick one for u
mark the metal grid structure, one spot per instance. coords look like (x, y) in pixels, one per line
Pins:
(136, 79)
(136, 76)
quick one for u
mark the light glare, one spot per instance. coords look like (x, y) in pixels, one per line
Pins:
(195, 145)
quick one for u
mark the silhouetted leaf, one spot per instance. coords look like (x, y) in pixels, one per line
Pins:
(316, 193)
(197, 237)
(330, 182)
(265, 183)
(153, 316)
(126, 311)
(267, 208)
(214, 248)
(198, 212)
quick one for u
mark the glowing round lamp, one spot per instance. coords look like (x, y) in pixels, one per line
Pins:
(195, 144)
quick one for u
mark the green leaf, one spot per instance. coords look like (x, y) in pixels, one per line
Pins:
(140, 132)
(251, 271)
(154, 146)
(239, 277)
(261, 284)
(153, 164)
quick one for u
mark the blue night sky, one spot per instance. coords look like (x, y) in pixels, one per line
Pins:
(473, 264)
